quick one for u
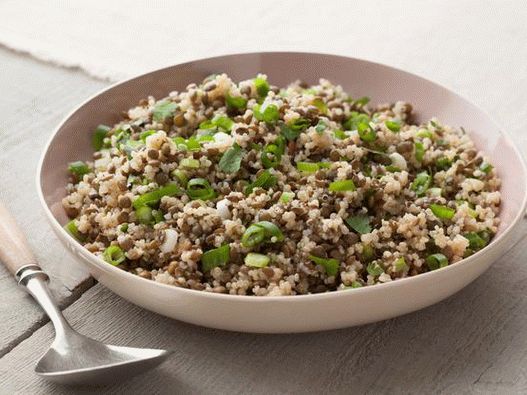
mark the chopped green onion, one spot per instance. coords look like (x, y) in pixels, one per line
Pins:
(262, 232)
(340, 134)
(477, 240)
(71, 228)
(374, 269)
(223, 122)
(78, 168)
(99, 135)
(273, 233)
(324, 165)
(271, 156)
(215, 257)
(331, 265)
(253, 259)
(361, 102)
(393, 125)
(145, 134)
(190, 163)
(158, 216)
(181, 177)
(359, 223)
(442, 212)
(153, 197)
(400, 265)
(355, 119)
(114, 255)
(366, 132)
(286, 197)
(231, 160)
(144, 215)
(342, 186)
(485, 167)
(307, 167)
(253, 236)
(392, 169)
(124, 228)
(200, 189)
(356, 284)
(421, 183)
(423, 133)
(436, 261)
(419, 151)
(269, 115)
(163, 110)
(443, 163)
(319, 103)
(265, 180)
(262, 86)
(235, 102)
(321, 126)
(299, 124)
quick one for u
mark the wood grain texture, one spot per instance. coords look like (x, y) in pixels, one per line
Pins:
(474, 342)
(35, 97)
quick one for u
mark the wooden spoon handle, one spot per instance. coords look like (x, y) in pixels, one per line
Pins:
(14, 250)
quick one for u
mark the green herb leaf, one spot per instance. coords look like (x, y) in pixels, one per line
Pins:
(262, 86)
(359, 223)
(356, 118)
(269, 115)
(265, 180)
(163, 110)
(421, 183)
(79, 169)
(340, 134)
(231, 160)
(319, 103)
(442, 212)
(393, 125)
(99, 135)
(216, 257)
(331, 265)
(374, 269)
(321, 126)
(419, 151)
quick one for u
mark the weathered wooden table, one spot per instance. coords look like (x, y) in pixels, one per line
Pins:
(474, 342)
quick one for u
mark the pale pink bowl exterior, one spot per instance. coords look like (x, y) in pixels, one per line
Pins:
(71, 141)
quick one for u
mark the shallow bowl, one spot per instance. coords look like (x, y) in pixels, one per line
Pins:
(72, 141)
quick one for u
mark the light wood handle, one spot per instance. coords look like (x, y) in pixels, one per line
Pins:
(14, 250)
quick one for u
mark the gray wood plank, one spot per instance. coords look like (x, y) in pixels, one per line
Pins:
(35, 97)
(474, 342)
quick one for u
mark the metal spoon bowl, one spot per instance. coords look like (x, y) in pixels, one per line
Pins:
(72, 358)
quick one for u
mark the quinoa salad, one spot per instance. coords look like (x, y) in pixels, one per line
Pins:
(246, 188)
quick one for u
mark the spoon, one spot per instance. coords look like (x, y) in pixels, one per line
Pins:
(72, 357)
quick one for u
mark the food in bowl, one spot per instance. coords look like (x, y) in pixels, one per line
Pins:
(250, 189)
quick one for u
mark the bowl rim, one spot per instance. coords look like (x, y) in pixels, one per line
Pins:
(104, 266)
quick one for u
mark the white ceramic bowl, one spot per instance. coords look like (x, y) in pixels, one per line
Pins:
(72, 141)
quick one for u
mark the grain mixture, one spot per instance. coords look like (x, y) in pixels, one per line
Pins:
(248, 189)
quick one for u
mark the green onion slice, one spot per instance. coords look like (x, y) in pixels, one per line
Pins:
(366, 132)
(144, 215)
(145, 134)
(200, 189)
(231, 160)
(424, 133)
(215, 257)
(72, 229)
(307, 167)
(152, 198)
(443, 163)
(273, 233)
(235, 102)
(374, 269)
(99, 135)
(485, 167)
(78, 168)
(393, 125)
(442, 212)
(265, 180)
(436, 261)
(421, 183)
(253, 236)
(342, 186)
(286, 197)
(269, 115)
(319, 103)
(271, 156)
(419, 151)
(114, 255)
(359, 223)
(256, 260)
(400, 265)
(331, 265)
(262, 86)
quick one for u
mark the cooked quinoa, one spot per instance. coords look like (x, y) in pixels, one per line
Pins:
(249, 189)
